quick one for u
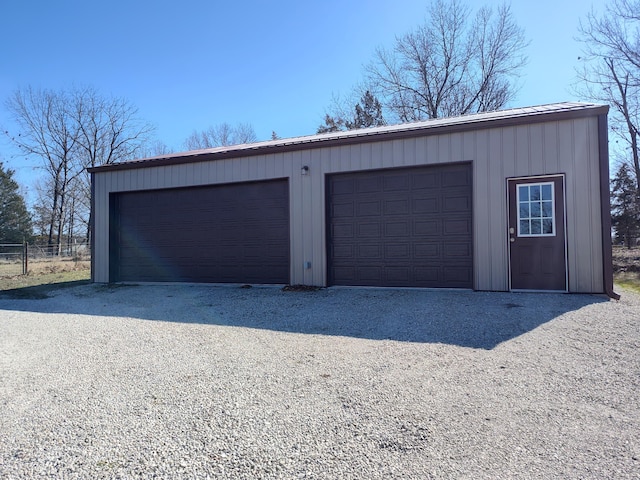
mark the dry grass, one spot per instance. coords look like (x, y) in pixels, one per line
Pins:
(43, 277)
(626, 267)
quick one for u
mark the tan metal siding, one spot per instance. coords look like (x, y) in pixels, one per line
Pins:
(568, 146)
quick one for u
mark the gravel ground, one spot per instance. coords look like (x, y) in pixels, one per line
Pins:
(226, 382)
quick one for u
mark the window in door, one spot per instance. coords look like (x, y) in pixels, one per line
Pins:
(536, 210)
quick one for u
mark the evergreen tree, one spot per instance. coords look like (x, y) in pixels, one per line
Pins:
(625, 206)
(331, 124)
(15, 221)
(368, 113)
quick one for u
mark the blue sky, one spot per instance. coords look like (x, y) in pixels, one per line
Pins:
(191, 64)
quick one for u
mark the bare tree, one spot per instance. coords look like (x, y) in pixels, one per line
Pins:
(610, 70)
(109, 132)
(49, 132)
(453, 64)
(155, 148)
(221, 135)
(69, 131)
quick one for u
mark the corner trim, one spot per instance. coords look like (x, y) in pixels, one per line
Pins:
(605, 206)
(92, 227)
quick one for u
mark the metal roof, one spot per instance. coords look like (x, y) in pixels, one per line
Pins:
(554, 111)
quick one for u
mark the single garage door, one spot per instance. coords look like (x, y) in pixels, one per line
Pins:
(408, 227)
(236, 233)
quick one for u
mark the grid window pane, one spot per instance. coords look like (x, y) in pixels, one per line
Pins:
(536, 227)
(535, 209)
(534, 192)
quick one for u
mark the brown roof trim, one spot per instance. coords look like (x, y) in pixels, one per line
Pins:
(504, 118)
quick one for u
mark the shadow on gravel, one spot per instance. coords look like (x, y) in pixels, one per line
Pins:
(463, 318)
(39, 292)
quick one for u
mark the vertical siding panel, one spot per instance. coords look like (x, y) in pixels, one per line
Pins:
(444, 148)
(209, 173)
(199, 173)
(345, 158)
(261, 167)
(498, 228)
(457, 147)
(597, 277)
(101, 226)
(536, 146)
(355, 157)
(481, 234)
(377, 155)
(421, 150)
(296, 206)
(146, 180)
(325, 160)
(550, 147)
(269, 166)
(335, 159)
(365, 156)
(244, 168)
(387, 154)
(306, 222)
(519, 155)
(567, 164)
(410, 151)
(397, 153)
(584, 205)
(319, 232)
(432, 150)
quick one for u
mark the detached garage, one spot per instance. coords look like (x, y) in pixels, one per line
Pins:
(508, 200)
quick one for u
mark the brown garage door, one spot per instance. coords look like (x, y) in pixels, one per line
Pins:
(236, 233)
(408, 227)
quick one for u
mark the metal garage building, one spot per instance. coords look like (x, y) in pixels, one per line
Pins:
(508, 200)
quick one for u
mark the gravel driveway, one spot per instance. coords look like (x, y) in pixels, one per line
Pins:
(226, 382)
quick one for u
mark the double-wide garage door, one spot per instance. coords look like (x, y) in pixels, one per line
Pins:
(236, 233)
(401, 227)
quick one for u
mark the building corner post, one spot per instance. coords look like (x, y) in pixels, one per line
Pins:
(605, 205)
(92, 229)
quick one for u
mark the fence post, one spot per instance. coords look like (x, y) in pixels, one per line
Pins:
(25, 263)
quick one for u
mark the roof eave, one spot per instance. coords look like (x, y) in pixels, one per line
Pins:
(433, 127)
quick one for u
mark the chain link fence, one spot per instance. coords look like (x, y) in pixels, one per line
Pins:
(16, 258)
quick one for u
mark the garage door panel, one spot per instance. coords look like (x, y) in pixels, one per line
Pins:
(397, 229)
(454, 204)
(366, 252)
(223, 233)
(396, 207)
(368, 185)
(410, 227)
(369, 208)
(425, 205)
(425, 228)
(425, 180)
(457, 227)
(399, 182)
